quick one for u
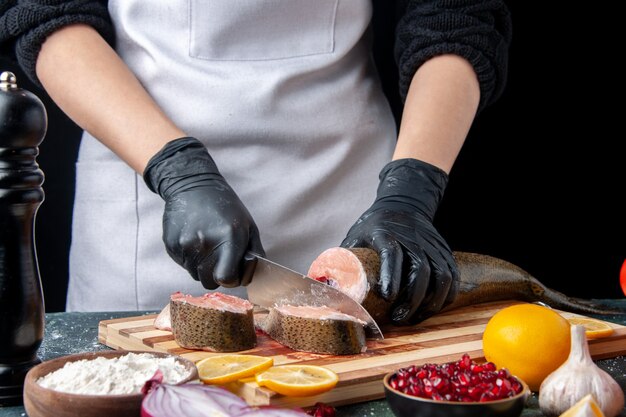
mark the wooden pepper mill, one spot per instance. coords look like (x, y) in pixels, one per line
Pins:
(23, 124)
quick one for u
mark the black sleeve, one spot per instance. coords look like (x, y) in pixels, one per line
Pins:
(477, 30)
(25, 25)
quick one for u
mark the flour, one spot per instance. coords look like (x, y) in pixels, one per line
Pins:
(122, 375)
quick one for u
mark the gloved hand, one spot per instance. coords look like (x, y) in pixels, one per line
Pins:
(417, 266)
(206, 227)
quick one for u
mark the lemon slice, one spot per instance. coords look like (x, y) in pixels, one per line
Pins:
(594, 329)
(229, 368)
(586, 407)
(298, 380)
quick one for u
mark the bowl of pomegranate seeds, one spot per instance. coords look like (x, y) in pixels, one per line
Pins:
(463, 389)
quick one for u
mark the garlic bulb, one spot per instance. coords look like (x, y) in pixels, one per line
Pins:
(577, 377)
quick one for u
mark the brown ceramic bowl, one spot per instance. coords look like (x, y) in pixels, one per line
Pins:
(404, 405)
(45, 402)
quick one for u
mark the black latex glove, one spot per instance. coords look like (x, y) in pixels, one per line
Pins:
(206, 227)
(417, 266)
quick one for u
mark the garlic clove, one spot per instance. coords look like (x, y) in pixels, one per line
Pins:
(578, 377)
(586, 407)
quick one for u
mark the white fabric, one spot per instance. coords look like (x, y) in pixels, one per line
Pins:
(286, 98)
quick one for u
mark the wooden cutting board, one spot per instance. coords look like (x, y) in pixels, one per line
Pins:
(442, 338)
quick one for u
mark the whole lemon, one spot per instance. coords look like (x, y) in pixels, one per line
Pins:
(529, 340)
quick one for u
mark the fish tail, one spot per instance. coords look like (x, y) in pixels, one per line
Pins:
(561, 301)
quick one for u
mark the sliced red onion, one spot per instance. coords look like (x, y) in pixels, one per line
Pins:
(191, 400)
(200, 400)
(156, 380)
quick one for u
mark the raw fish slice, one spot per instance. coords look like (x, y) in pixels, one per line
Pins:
(214, 322)
(163, 321)
(356, 272)
(315, 329)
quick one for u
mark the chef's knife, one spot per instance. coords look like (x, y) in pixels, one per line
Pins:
(273, 284)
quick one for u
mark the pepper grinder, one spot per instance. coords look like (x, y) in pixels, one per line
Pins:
(23, 124)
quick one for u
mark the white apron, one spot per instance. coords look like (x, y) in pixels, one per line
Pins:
(285, 96)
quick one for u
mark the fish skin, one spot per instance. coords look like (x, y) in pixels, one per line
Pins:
(211, 329)
(484, 278)
(377, 306)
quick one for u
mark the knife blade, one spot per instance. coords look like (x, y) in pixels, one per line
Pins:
(273, 284)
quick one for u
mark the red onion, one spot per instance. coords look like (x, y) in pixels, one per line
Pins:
(155, 381)
(191, 400)
(200, 400)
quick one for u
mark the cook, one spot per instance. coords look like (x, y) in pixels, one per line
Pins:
(217, 128)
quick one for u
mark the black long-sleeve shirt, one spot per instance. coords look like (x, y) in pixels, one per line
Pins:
(477, 30)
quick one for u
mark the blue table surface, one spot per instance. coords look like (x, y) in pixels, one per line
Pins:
(68, 333)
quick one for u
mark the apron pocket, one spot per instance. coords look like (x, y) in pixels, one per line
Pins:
(252, 30)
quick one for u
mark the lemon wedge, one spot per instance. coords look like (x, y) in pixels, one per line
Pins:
(298, 380)
(586, 407)
(219, 370)
(594, 329)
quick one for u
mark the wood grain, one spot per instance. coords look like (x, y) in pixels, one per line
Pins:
(442, 338)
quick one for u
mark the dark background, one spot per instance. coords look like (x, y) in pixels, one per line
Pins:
(539, 182)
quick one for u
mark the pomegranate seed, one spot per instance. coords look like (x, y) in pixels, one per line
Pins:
(516, 387)
(465, 362)
(505, 387)
(488, 376)
(477, 368)
(323, 280)
(322, 410)
(488, 396)
(463, 379)
(489, 366)
(504, 373)
(437, 383)
(475, 392)
(414, 390)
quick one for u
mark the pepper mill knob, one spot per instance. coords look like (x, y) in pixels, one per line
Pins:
(8, 80)
(23, 124)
